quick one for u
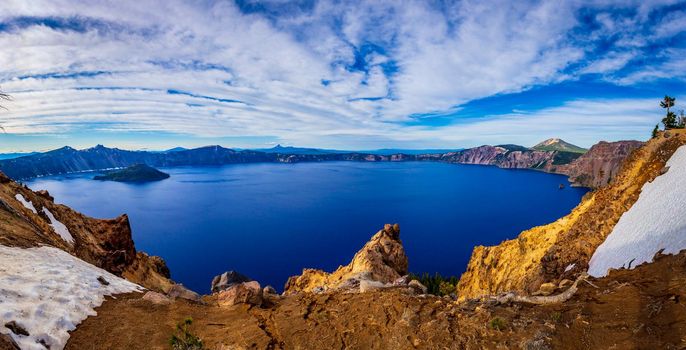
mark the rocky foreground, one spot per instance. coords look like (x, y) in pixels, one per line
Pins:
(529, 293)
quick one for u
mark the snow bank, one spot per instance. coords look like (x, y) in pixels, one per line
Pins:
(59, 227)
(48, 292)
(656, 221)
(27, 204)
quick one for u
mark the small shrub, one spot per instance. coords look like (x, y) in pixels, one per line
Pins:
(556, 316)
(183, 339)
(437, 284)
(497, 323)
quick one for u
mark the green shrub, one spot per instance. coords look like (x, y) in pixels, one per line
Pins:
(183, 339)
(437, 284)
(556, 316)
(497, 323)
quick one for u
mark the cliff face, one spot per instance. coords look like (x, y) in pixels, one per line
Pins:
(30, 219)
(516, 158)
(600, 164)
(563, 248)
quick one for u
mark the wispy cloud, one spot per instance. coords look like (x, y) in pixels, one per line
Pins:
(339, 74)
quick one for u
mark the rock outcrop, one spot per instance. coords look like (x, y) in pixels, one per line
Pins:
(562, 249)
(382, 260)
(30, 219)
(242, 293)
(226, 280)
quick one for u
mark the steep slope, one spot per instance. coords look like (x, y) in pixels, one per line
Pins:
(558, 145)
(563, 248)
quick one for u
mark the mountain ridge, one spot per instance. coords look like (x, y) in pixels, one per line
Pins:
(557, 144)
(67, 160)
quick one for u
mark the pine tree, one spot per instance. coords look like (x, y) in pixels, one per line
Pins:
(669, 120)
(655, 131)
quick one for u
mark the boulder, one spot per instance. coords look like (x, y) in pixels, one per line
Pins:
(226, 280)
(156, 298)
(179, 291)
(547, 289)
(241, 293)
(402, 281)
(269, 290)
(367, 286)
(418, 287)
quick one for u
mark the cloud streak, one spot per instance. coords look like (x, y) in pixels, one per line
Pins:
(330, 74)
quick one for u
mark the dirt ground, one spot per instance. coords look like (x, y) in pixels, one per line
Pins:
(644, 308)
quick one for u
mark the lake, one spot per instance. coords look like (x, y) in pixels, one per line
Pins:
(269, 221)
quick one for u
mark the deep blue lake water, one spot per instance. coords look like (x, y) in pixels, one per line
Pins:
(269, 221)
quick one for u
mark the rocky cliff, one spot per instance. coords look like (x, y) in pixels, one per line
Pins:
(563, 248)
(599, 165)
(31, 219)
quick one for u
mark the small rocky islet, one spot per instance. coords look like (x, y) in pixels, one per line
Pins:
(134, 173)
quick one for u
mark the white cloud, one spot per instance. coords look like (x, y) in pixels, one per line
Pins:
(292, 73)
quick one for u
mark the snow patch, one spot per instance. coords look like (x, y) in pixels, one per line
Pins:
(59, 227)
(655, 222)
(25, 203)
(569, 267)
(49, 292)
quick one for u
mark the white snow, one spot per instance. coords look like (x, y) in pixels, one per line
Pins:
(656, 221)
(27, 204)
(59, 227)
(569, 267)
(49, 292)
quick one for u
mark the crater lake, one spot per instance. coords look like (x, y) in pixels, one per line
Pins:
(269, 221)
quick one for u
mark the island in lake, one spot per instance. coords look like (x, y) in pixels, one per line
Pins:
(134, 173)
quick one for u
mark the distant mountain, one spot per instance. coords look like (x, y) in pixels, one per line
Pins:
(68, 160)
(176, 149)
(558, 145)
(15, 155)
(134, 173)
(297, 150)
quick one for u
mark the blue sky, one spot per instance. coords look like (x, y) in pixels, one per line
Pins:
(345, 75)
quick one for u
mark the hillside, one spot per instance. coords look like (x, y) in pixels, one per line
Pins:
(558, 145)
(562, 249)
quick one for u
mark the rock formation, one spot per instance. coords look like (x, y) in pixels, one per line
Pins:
(563, 248)
(382, 260)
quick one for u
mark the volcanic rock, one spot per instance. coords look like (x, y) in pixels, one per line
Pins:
(241, 293)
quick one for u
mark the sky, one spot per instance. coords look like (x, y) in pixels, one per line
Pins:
(150, 74)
